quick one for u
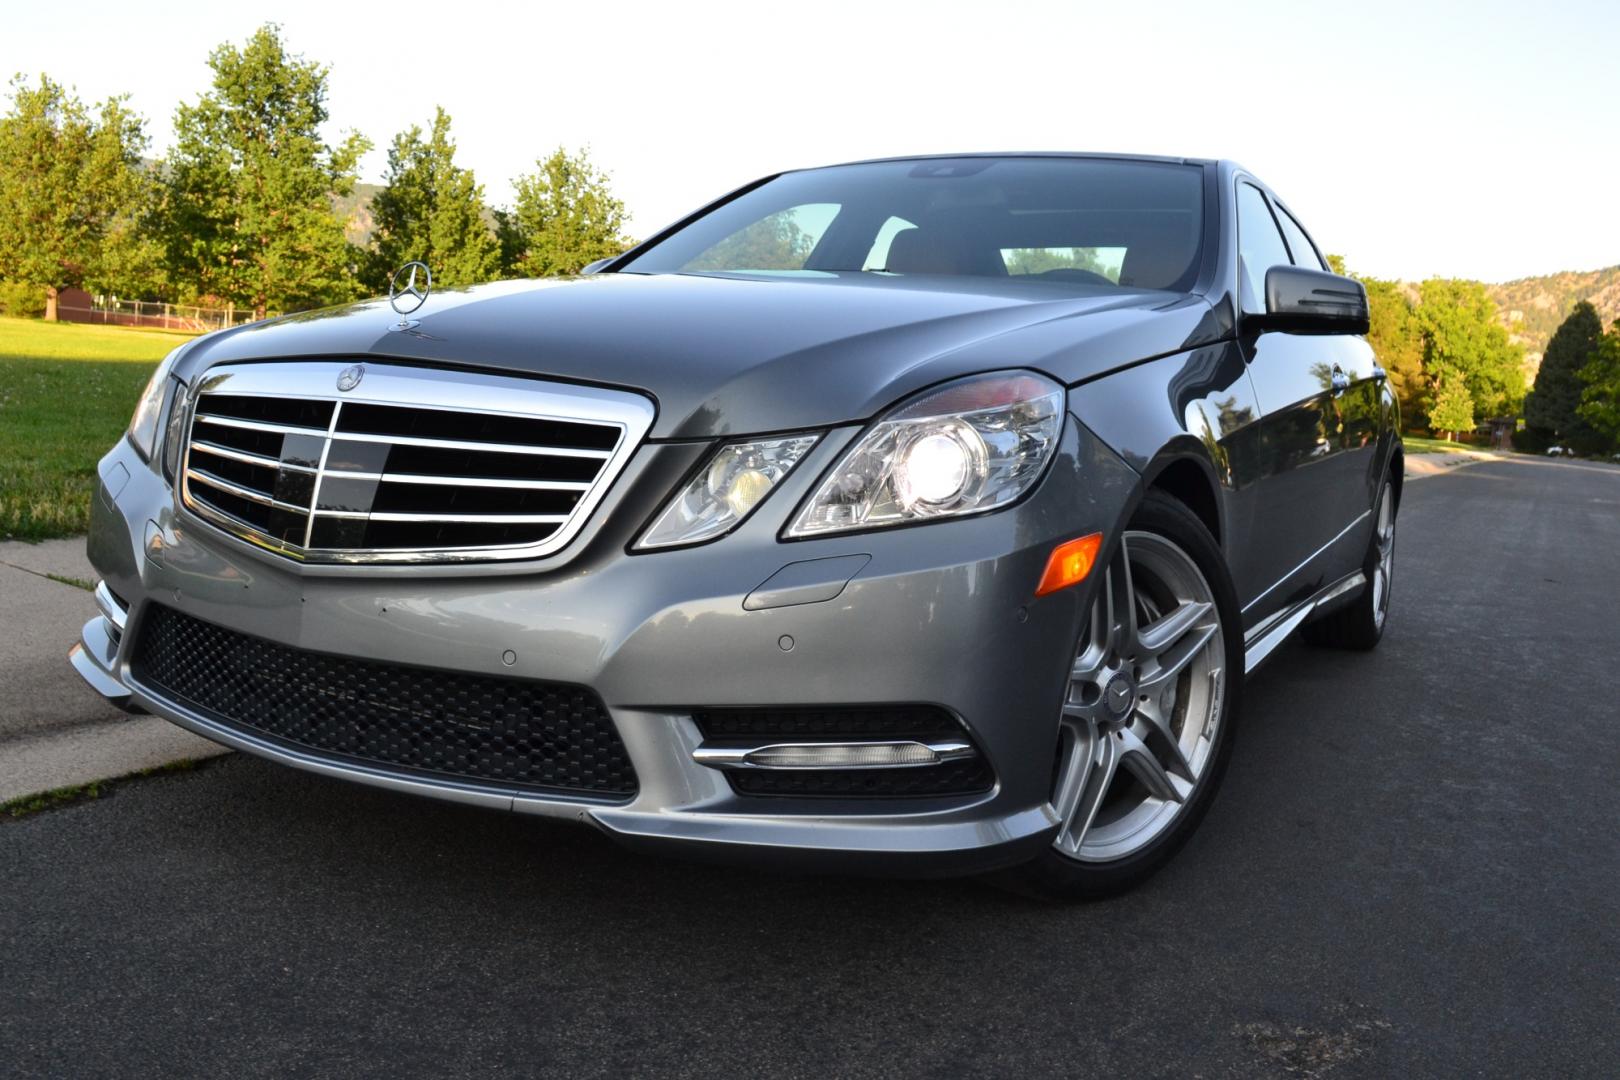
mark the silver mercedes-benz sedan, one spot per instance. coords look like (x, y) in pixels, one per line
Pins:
(908, 516)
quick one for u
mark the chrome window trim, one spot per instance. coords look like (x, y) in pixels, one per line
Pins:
(420, 388)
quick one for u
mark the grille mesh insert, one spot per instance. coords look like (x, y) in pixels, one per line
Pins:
(508, 732)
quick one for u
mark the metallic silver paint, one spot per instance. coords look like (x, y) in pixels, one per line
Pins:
(1161, 385)
(660, 634)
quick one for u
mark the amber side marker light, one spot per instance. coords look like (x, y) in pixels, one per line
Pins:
(1071, 561)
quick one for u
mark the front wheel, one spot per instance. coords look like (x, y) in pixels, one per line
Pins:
(1146, 724)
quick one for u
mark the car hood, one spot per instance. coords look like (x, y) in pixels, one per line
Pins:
(728, 355)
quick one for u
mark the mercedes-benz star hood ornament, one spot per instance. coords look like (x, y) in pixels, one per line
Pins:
(406, 293)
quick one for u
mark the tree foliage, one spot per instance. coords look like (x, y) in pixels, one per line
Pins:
(433, 210)
(1453, 406)
(566, 216)
(1040, 260)
(1397, 339)
(1444, 348)
(776, 242)
(1600, 392)
(1462, 340)
(72, 191)
(250, 184)
(1554, 403)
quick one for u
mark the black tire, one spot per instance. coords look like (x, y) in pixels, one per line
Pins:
(1359, 625)
(1054, 875)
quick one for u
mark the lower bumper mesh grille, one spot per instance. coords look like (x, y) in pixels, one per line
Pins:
(508, 732)
(842, 724)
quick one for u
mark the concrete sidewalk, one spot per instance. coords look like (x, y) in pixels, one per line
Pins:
(54, 730)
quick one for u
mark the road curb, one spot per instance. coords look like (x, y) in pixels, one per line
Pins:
(80, 755)
(1423, 466)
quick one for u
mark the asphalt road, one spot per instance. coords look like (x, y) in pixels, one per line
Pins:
(1413, 870)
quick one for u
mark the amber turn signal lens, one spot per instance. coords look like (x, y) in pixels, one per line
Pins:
(1071, 561)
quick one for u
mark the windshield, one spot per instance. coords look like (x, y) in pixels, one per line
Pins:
(1119, 224)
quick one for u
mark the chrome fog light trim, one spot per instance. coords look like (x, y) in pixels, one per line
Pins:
(111, 610)
(856, 755)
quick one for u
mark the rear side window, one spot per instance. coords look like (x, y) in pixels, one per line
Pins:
(1260, 245)
(1303, 250)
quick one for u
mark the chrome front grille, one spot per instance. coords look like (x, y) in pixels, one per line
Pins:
(410, 465)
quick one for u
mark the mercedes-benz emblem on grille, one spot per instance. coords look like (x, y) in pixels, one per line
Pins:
(406, 293)
(350, 377)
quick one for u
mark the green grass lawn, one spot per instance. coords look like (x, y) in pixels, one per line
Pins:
(66, 392)
(1416, 444)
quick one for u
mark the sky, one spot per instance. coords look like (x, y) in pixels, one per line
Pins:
(1418, 139)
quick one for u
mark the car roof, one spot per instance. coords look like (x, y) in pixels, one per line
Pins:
(1016, 154)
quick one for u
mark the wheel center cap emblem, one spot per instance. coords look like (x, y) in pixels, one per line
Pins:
(350, 377)
(1117, 697)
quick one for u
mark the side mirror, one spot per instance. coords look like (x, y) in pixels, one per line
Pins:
(1305, 301)
(593, 267)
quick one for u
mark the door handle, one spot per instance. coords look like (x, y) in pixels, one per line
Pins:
(1341, 381)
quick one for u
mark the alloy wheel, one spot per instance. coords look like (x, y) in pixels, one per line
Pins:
(1144, 704)
(1384, 571)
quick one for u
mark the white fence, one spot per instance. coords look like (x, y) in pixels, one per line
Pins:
(114, 312)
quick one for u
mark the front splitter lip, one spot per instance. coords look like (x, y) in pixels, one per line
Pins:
(853, 844)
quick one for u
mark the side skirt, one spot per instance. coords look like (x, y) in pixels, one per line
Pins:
(1263, 640)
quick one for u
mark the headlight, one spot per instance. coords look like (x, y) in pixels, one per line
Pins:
(143, 425)
(726, 490)
(174, 430)
(968, 446)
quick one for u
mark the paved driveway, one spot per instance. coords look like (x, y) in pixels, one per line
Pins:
(1413, 870)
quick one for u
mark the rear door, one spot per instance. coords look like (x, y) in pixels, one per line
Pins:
(1308, 510)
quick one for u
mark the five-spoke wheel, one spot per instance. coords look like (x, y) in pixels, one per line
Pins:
(1144, 703)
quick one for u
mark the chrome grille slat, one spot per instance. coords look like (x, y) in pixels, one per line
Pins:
(459, 481)
(328, 494)
(244, 492)
(245, 456)
(497, 519)
(261, 425)
(471, 444)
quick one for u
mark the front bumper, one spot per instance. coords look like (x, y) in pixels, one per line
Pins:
(941, 614)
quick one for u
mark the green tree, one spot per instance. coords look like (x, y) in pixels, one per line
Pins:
(1554, 403)
(250, 184)
(1397, 339)
(1453, 408)
(72, 191)
(566, 216)
(1600, 393)
(433, 210)
(1463, 341)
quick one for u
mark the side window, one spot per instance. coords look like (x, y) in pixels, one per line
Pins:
(1260, 245)
(781, 241)
(1298, 243)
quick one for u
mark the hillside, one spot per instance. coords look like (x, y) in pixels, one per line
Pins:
(1532, 308)
(356, 210)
